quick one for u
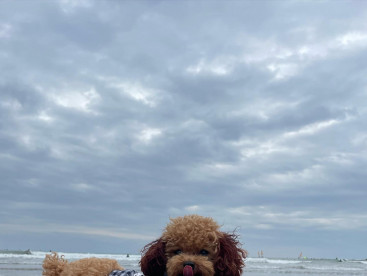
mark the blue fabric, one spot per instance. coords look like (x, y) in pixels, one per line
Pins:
(125, 273)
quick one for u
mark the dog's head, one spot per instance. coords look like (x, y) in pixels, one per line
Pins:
(193, 246)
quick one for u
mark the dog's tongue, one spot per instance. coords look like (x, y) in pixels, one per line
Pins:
(187, 271)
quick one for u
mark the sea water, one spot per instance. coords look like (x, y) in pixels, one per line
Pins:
(31, 265)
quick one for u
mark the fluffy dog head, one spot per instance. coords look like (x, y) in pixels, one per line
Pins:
(193, 246)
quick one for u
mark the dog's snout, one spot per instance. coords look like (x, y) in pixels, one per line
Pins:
(192, 264)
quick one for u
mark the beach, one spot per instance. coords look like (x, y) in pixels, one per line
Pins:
(31, 265)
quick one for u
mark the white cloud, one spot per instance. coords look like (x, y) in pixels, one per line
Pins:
(255, 148)
(76, 99)
(283, 70)
(5, 30)
(311, 128)
(192, 209)
(270, 217)
(262, 149)
(59, 152)
(148, 134)
(75, 229)
(306, 177)
(134, 90)
(220, 66)
(265, 109)
(83, 187)
(353, 39)
(44, 116)
(285, 61)
(11, 104)
(360, 139)
(70, 6)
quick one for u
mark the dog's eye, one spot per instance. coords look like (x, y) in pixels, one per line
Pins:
(204, 252)
(177, 252)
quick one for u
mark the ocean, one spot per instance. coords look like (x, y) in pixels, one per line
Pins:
(31, 265)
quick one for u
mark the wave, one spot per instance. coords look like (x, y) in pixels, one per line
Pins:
(89, 255)
(359, 261)
(332, 268)
(255, 265)
(40, 255)
(16, 252)
(20, 269)
(276, 261)
(285, 262)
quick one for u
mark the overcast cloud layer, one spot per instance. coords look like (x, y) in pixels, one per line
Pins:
(116, 115)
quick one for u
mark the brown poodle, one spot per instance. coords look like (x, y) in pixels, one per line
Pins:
(193, 246)
(53, 265)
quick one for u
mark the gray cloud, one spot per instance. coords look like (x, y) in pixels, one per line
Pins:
(116, 116)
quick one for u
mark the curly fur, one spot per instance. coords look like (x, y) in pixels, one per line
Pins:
(53, 265)
(184, 240)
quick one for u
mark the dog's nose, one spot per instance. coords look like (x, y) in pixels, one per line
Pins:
(192, 264)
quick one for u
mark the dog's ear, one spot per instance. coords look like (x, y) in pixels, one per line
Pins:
(153, 261)
(230, 259)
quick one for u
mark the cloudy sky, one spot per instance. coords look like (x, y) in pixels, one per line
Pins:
(117, 115)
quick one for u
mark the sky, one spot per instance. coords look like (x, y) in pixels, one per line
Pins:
(116, 116)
